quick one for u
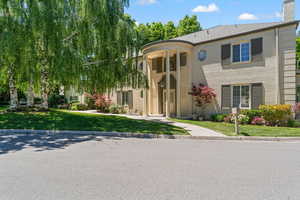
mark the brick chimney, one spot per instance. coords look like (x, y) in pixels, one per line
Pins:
(288, 10)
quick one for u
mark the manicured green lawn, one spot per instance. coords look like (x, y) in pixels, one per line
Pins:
(65, 120)
(3, 108)
(246, 130)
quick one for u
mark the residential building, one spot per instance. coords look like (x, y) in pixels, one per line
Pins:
(246, 64)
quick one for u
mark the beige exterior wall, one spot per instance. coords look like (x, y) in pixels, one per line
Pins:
(184, 87)
(287, 57)
(212, 73)
(137, 96)
(276, 73)
(73, 93)
(137, 100)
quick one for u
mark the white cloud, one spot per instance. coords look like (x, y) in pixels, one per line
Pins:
(210, 8)
(146, 2)
(247, 16)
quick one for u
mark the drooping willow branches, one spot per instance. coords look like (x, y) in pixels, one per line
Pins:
(86, 44)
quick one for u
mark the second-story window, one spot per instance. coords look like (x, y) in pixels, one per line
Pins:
(241, 52)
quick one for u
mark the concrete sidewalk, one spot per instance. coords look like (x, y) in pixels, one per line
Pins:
(192, 129)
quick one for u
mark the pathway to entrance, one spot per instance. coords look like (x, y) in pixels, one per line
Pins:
(192, 129)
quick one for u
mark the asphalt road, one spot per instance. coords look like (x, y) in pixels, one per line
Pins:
(89, 168)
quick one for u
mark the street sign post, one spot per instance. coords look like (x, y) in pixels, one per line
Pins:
(235, 112)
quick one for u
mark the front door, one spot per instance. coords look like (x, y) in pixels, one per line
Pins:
(172, 102)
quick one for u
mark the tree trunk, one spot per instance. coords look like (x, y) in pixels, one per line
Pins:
(45, 87)
(30, 93)
(12, 88)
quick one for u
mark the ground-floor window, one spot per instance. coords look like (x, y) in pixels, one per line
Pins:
(244, 96)
(241, 96)
(298, 93)
(125, 98)
(74, 98)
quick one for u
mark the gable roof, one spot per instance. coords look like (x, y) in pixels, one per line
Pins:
(223, 31)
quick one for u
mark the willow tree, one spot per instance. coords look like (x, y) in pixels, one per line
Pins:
(45, 27)
(87, 44)
(108, 42)
(11, 46)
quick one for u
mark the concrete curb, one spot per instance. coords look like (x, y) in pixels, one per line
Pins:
(152, 136)
(96, 133)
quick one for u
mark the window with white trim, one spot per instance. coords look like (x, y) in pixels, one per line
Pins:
(241, 52)
(241, 96)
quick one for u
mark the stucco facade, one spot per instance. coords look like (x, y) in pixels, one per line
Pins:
(276, 72)
(247, 65)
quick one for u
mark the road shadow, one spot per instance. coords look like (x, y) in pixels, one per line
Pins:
(10, 143)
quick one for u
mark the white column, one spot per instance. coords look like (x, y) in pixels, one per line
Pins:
(145, 113)
(150, 88)
(168, 84)
(178, 84)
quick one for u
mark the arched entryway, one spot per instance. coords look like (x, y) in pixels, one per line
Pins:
(162, 93)
(165, 61)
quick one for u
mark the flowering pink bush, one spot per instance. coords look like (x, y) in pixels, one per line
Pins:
(228, 118)
(296, 108)
(203, 94)
(258, 121)
(102, 102)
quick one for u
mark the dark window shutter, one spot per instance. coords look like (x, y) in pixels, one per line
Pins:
(183, 59)
(226, 54)
(130, 99)
(159, 65)
(142, 94)
(226, 98)
(257, 95)
(173, 63)
(154, 64)
(165, 65)
(172, 82)
(257, 49)
(124, 98)
(141, 66)
(119, 98)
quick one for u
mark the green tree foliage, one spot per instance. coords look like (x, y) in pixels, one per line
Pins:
(188, 25)
(298, 49)
(89, 44)
(144, 33)
(170, 31)
(12, 32)
(156, 31)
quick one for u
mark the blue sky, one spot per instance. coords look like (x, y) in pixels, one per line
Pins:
(210, 12)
